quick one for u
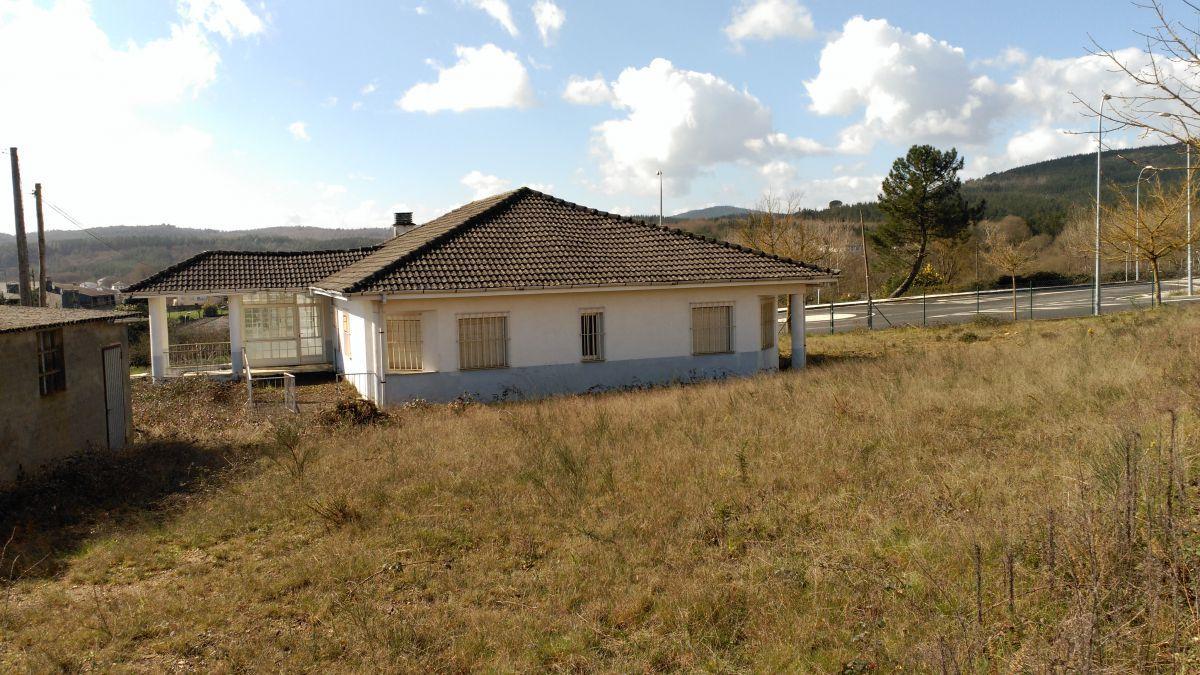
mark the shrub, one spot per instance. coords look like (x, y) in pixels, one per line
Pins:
(357, 412)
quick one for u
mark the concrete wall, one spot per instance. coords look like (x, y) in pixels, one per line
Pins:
(37, 430)
(647, 341)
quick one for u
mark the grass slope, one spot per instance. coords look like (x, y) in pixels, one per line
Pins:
(815, 521)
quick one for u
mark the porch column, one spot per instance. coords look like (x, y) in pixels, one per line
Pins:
(158, 337)
(796, 314)
(235, 335)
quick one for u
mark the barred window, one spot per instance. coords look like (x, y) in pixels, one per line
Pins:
(769, 319)
(404, 344)
(52, 374)
(482, 341)
(712, 329)
(591, 335)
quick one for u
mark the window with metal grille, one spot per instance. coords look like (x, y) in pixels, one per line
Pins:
(712, 329)
(404, 344)
(482, 341)
(591, 335)
(52, 374)
(769, 321)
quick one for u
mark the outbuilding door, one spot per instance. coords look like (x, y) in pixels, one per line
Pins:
(114, 396)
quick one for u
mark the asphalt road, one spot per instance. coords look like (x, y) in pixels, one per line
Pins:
(1048, 303)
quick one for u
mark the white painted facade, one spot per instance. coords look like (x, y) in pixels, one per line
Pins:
(647, 339)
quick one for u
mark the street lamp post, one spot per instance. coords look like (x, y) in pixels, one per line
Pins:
(1188, 144)
(1099, 153)
(1137, 224)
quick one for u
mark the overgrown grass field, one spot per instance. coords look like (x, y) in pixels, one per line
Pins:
(870, 513)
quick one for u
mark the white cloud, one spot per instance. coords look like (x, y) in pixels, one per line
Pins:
(483, 185)
(357, 105)
(549, 18)
(421, 10)
(483, 77)
(679, 121)
(770, 19)
(228, 18)
(781, 143)
(90, 94)
(329, 102)
(583, 91)
(849, 189)
(778, 174)
(299, 131)
(369, 88)
(906, 85)
(498, 10)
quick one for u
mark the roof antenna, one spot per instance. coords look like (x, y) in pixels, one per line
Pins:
(660, 209)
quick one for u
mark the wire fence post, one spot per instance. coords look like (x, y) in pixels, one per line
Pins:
(924, 320)
(831, 317)
(976, 299)
(1031, 301)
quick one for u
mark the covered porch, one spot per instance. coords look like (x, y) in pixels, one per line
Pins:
(269, 332)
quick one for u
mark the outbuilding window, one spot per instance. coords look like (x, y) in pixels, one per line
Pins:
(591, 334)
(404, 344)
(52, 374)
(712, 328)
(482, 341)
(768, 319)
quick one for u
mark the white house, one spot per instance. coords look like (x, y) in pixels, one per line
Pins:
(520, 294)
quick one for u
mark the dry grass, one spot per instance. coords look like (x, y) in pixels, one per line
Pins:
(819, 521)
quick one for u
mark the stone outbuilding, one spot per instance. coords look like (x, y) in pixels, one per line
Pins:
(64, 385)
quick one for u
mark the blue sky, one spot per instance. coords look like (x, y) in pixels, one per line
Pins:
(231, 114)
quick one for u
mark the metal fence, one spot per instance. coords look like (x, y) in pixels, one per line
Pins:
(1029, 302)
(198, 357)
(268, 390)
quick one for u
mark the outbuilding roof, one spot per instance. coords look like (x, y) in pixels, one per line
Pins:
(15, 318)
(220, 271)
(525, 239)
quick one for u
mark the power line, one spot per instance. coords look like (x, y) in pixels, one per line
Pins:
(79, 226)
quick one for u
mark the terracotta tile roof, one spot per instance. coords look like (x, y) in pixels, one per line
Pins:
(14, 318)
(528, 240)
(216, 271)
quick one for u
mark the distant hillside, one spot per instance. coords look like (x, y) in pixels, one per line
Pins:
(712, 212)
(1042, 193)
(129, 253)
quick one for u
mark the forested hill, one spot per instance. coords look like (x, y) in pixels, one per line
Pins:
(1042, 193)
(130, 253)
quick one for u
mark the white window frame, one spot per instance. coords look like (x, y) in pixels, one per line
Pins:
(598, 335)
(768, 321)
(292, 303)
(419, 352)
(731, 343)
(506, 338)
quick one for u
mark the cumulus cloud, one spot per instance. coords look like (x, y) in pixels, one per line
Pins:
(549, 18)
(770, 19)
(781, 143)
(299, 131)
(778, 174)
(498, 10)
(483, 185)
(676, 120)
(134, 94)
(906, 85)
(483, 77)
(369, 88)
(587, 91)
(228, 18)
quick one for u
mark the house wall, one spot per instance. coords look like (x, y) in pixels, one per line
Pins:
(37, 430)
(647, 341)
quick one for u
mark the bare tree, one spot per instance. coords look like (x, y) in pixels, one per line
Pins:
(1164, 99)
(778, 226)
(1077, 240)
(1161, 234)
(1008, 247)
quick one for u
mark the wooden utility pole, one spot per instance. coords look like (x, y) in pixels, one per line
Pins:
(19, 215)
(37, 199)
(862, 230)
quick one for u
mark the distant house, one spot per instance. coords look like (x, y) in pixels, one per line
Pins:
(76, 296)
(65, 388)
(521, 294)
